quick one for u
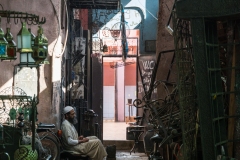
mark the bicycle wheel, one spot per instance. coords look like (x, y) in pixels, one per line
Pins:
(51, 148)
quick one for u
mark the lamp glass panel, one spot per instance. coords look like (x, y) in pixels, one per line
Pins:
(2, 49)
(26, 41)
(30, 59)
(26, 58)
(23, 57)
(11, 52)
(41, 53)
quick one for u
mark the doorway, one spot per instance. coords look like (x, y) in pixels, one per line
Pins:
(119, 90)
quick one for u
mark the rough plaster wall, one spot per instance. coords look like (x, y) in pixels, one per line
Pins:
(47, 112)
(165, 41)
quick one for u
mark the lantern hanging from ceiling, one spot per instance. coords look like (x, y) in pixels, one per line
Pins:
(24, 45)
(40, 49)
(3, 43)
(24, 40)
(11, 47)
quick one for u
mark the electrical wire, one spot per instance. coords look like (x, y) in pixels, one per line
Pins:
(54, 9)
(65, 41)
(148, 11)
(1, 6)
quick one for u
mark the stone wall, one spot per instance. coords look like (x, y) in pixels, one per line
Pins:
(165, 42)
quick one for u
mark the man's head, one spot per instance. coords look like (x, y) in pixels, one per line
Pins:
(69, 113)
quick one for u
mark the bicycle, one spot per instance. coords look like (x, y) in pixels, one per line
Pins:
(49, 148)
(164, 116)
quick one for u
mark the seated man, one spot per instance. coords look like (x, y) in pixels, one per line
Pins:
(90, 146)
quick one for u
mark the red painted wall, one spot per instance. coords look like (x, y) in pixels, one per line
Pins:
(108, 75)
(130, 75)
(83, 16)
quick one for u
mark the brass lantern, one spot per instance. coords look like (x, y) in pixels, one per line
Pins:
(40, 49)
(11, 47)
(24, 46)
(3, 44)
(24, 40)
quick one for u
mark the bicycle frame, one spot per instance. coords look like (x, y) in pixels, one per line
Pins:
(48, 135)
(46, 132)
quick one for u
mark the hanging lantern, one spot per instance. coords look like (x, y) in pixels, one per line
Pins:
(24, 46)
(40, 49)
(11, 47)
(3, 44)
(105, 48)
(24, 40)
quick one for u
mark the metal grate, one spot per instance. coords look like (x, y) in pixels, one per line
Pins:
(223, 67)
(215, 42)
(186, 87)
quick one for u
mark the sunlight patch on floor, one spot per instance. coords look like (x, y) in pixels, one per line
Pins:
(114, 130)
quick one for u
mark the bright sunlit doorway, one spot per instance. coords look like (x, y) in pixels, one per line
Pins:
(119, 88)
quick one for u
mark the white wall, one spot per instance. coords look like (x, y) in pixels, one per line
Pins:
(108, 102)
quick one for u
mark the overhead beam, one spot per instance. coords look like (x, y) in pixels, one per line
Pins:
(95, 4)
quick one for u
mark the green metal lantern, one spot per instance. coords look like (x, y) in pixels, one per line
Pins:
(24, 40)
(11, 47)
(3, 44)
(40, 49)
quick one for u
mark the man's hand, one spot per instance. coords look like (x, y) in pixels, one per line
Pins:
(83, 140)
(80, 137)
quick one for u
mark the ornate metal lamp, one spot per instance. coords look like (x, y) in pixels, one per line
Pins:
(24, 44)
(11, 47)
(3, 44)
(26, 59)
(40, 49)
